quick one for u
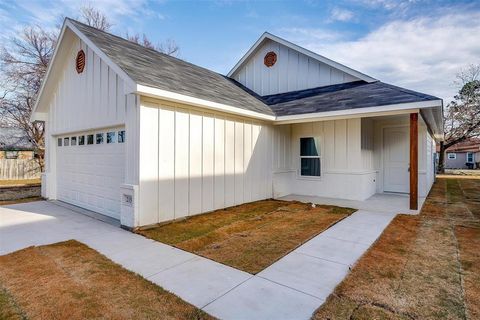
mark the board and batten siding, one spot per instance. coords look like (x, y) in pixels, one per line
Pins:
(195, 161)
(292, 71)
(343, 174)
(92, 99)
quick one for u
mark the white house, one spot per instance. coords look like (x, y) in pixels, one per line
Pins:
(145, 138)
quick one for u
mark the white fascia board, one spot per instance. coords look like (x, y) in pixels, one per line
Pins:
(360, 112)
(180, 98)
(130, 84)
(306, 52)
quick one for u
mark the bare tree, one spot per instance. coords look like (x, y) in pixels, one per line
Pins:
(23, 67)
(95, 18)
(462, 115)
(168, 47)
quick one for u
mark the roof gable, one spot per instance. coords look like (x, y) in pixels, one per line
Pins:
(296, 68)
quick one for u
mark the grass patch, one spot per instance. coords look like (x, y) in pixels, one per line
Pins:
(422, 267)
(68, 280)
(249, 237)
(20, 182)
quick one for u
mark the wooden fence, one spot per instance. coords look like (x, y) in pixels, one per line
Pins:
(11, 169)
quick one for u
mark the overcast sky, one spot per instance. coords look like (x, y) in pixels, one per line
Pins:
(420, 45)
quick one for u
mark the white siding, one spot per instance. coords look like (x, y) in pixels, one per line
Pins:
(292, 71)
(92, 99)
(343, 172)
(423, 163)
(195, 161)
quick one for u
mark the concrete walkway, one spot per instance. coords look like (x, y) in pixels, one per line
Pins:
(291, 288)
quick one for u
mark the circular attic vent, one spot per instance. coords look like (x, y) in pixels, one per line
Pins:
(270, 59)
(80, 61)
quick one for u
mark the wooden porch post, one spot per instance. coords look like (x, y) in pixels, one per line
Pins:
(413, 161)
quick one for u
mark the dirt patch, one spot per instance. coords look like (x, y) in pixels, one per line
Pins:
(422, 267)
(252, 236)
(68, 280)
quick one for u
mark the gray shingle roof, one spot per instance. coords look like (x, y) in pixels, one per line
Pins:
(151, 68)
(154, 69)
(353, 95)
(14, 139)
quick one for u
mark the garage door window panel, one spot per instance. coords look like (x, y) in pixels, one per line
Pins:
(73, 141)
(99, 138)
(66, 142)
(110, 137)
(81, 140)
(121, 136)
(90, 139)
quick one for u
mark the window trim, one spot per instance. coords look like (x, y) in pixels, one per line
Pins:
(318, 144)
(472, 155)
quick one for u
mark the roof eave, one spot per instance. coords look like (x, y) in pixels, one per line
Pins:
(384, 110)
(197, 102)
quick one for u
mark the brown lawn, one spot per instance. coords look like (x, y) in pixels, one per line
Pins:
(249, 237)
(68, 280)
(422, 267)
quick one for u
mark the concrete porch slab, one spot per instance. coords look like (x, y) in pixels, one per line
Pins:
(379, 202)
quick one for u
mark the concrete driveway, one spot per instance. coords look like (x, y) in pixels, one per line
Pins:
(291, 288)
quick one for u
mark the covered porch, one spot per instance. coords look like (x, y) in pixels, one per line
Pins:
(377, 162)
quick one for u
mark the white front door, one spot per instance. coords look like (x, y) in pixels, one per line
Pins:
(396, 159)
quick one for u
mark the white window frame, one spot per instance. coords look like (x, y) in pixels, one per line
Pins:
(452, 154)
(319, 150)
(470, 154)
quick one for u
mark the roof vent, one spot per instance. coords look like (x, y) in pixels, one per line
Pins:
(80, 61)
(270, 59)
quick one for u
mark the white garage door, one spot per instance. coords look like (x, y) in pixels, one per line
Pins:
(90, 170)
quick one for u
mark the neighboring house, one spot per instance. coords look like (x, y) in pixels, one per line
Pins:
(464, 155)
(14, 144)
(145, 138)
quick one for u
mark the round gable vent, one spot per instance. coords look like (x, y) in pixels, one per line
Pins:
(270, 59)
(80, 61)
